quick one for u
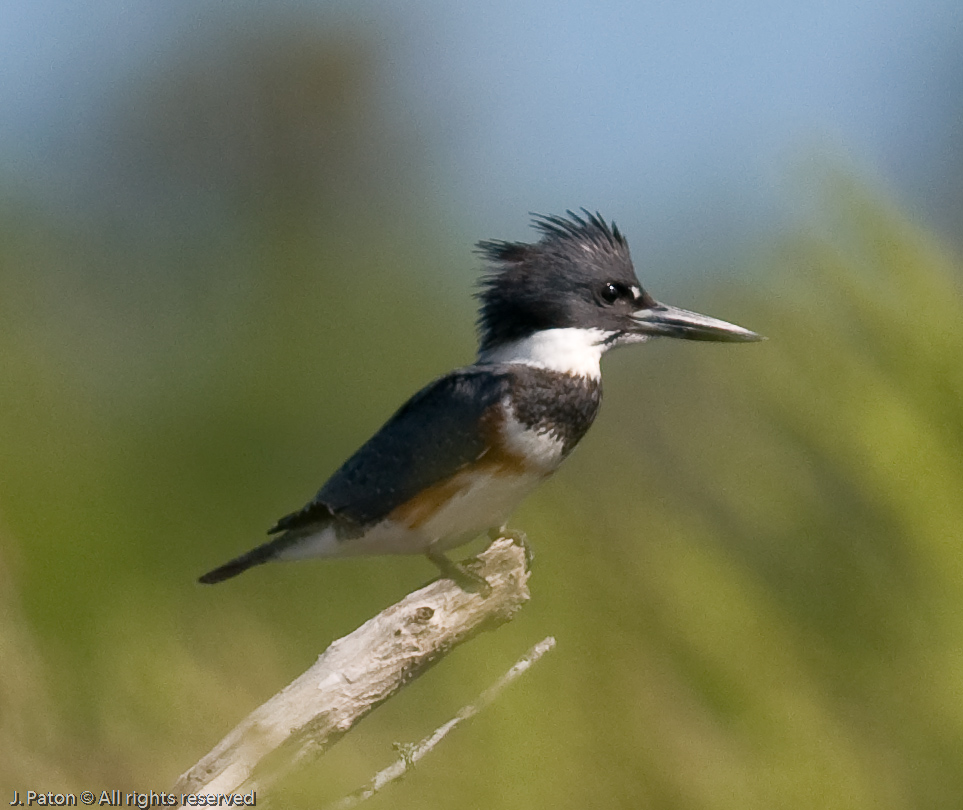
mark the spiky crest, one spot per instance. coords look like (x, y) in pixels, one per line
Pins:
(529, 286)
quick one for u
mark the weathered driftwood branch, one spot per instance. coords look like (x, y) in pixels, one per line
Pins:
(362, 670)
(412, 754)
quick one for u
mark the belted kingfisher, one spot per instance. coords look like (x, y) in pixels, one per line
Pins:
(459, 456)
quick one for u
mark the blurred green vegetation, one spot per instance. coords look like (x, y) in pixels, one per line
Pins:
(752, 565)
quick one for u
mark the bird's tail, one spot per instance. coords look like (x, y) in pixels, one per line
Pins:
(256, 556)
(293, 528)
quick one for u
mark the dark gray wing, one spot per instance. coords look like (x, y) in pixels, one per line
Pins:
(431, 437)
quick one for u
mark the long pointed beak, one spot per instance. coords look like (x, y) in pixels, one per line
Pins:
(667, 321)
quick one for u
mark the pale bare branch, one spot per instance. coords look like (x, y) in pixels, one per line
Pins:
(360, 671)
(412, 754)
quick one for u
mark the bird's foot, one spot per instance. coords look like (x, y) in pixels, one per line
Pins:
(459, 574)
(518, 537)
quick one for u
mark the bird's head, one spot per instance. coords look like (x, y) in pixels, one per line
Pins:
(579, 276)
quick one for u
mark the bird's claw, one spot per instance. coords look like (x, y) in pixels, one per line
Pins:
(518, 537)
(459, 574)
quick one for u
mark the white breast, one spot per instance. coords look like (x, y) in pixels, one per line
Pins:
(540, 448)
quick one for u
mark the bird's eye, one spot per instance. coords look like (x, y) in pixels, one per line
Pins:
(612, 291)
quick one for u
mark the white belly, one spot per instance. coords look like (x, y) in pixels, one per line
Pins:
(475, 500)
(484, 502)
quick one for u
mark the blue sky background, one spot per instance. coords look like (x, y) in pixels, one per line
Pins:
(669, 117)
